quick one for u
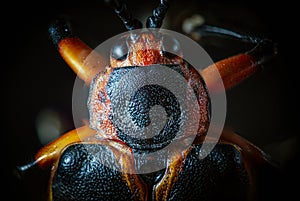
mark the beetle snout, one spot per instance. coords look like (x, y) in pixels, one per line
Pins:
(146, 57)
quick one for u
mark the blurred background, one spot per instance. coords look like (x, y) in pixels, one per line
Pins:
(37, 83)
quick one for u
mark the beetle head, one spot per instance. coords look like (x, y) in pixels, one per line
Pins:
(145, 48)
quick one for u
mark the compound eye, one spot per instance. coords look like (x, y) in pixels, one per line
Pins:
(120, 50)
(171, 47)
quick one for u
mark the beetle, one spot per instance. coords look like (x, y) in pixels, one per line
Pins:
(232, 170)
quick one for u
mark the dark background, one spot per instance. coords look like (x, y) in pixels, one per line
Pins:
(263, 109)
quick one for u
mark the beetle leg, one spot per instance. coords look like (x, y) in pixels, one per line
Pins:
(45, 157)
(237, 68)
(75, 52)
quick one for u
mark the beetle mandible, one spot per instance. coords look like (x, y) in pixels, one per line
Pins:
(75, 175)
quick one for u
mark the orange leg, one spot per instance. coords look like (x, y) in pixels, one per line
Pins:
(49, 153)
(232, 71)
(237, 68)
(85, 62)
(75, 54)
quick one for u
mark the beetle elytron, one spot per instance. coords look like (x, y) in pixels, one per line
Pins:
(230, 171)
